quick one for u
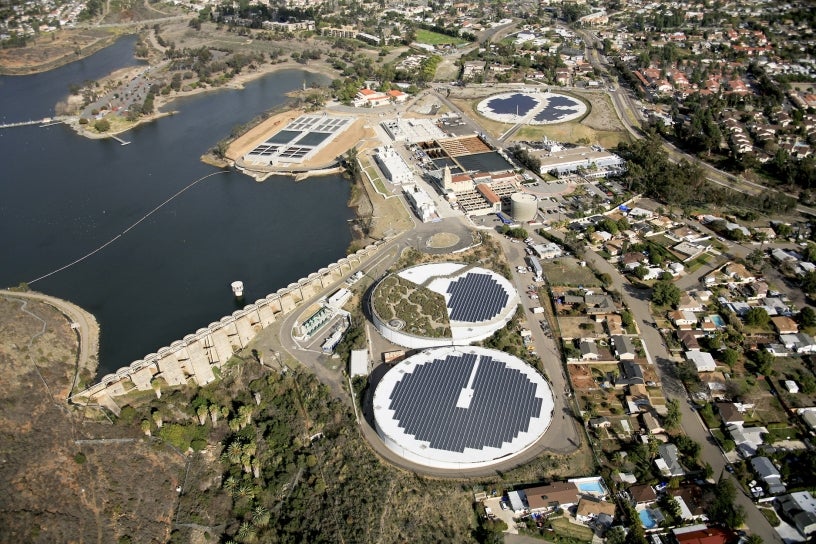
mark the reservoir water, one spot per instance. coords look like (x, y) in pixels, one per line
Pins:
(62, 196)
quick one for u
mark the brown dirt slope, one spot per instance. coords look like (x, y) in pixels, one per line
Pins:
(53, 489)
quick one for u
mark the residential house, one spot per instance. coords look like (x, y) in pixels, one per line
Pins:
(809, 418)
(642, 495)
(738, 273)
(638, 399)
(799, 342)
(590, 509)
(624, 347)
(747, 439)
(800, 508)
(768, 473)
(651, 424)
(551, 497)
(729, 414)
(600, 422)
(683, 318)
(703, 361)
(694, 301)
(631, 374)
(589, 349)
(668, 461)
(688, 338)
(701, 534)
(599, 304)
(632, 260)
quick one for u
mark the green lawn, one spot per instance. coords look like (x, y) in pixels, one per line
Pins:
(434, 38)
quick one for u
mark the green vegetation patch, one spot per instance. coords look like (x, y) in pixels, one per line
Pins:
(423, 311)
(434, 38)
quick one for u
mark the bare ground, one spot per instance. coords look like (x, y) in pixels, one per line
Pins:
(53, 489)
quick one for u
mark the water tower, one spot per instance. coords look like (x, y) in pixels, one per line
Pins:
(523, 207)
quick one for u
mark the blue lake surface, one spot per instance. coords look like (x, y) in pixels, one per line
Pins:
(63, 196)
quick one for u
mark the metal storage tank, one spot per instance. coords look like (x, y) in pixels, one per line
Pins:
(523, 206)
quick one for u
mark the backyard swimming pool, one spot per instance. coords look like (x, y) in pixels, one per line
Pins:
(646, 519)
(593, 486)
(717, 320)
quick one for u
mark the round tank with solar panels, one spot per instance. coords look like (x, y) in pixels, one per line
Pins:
(461, 407)
(442, 304)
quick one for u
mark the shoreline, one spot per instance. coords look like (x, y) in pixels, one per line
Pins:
(64, 60)
(237, 83)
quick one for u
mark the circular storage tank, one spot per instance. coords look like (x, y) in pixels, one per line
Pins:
(461, 407)
(523, 206)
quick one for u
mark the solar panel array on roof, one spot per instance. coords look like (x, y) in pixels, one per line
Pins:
(475, 297)
(503, 403)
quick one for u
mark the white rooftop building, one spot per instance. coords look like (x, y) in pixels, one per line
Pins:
(421, 202)
(393, 166)
(358, 365)
(702, 360)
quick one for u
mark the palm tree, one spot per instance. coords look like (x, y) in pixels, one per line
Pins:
(215, 411)
(146, 427)
(202, 412)
(230, 484)
(158, 419)
(246, 533)
(245, 415)
(260, 516)
(234, 453)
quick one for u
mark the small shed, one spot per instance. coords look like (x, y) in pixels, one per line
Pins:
(791, 386)
(358, 366)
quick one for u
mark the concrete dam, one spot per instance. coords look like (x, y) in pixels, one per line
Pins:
(197, 355)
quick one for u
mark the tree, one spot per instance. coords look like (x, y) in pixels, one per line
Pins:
(757, 317)
(673, 415)
(722, 506)
(665, 293)
(102, 125)
(807, 317)
(764, 362)
(616, 535)
(730, 357)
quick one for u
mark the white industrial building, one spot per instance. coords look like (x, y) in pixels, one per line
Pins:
(595, 162)
(422, 204)
(393, 166)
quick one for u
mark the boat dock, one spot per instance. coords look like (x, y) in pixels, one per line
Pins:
(118, 139)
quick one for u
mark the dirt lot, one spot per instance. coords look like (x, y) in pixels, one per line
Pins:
(53, 488)
(51, 50)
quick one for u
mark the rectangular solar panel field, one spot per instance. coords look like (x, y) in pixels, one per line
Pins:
(313, 138)
(283, 137)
